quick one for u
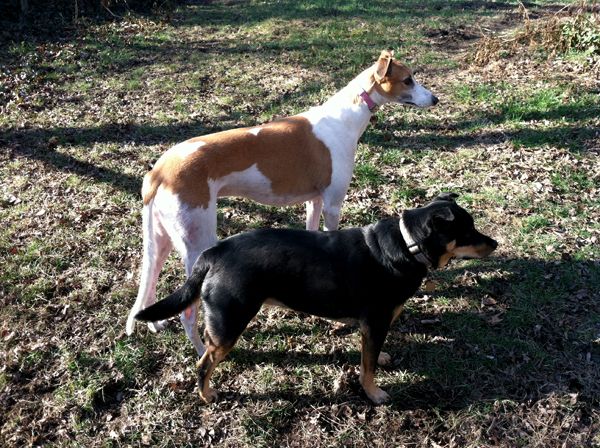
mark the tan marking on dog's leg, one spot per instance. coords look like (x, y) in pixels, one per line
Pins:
(384, 358)
(213, 355)
(370, 349)
(397, 312)
(375, 393)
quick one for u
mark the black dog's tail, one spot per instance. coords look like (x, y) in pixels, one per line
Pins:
(180, 299)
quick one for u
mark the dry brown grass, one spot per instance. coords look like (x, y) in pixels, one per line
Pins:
(502, 353)
(574, 28)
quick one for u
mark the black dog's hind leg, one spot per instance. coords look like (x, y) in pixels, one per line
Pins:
(372, 338)
(213, 355)
(223, 326)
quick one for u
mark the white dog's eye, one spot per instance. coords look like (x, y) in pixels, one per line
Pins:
(408, 81)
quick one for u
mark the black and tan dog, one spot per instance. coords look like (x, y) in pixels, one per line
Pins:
(362, 274)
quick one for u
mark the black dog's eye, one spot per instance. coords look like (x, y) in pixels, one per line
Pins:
(408, 81)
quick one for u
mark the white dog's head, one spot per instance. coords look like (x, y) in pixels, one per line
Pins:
(395, 81)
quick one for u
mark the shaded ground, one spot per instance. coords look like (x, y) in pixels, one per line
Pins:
(502, 352)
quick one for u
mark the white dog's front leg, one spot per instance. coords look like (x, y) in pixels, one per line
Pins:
(333, 197)
(331, 216)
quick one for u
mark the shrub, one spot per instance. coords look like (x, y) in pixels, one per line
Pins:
(570, 30)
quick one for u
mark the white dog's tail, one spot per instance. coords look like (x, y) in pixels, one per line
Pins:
(157, 246)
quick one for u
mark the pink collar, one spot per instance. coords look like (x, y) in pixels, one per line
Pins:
(367, 99)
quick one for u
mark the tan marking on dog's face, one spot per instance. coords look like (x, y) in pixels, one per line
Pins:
(479, 251)
(381, 66)
(285, 151)
(454, 251)
(393, 78)
(445, 258)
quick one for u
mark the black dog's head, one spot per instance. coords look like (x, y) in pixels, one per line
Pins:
(443, 230)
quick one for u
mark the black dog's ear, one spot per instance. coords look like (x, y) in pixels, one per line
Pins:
(444, 214)
(446, 197)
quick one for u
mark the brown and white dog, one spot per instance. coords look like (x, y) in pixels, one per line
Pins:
(304, 158)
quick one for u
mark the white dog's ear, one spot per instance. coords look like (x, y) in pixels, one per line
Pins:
(383, 64)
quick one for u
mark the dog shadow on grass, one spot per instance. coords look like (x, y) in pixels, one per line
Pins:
(530, 330)
(37, 143)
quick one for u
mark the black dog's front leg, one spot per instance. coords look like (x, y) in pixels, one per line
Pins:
(372, 338)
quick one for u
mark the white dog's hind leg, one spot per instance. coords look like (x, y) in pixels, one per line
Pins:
(201, 233)
(313, 213)
(189, 320)
(157, 247)
(189, 317)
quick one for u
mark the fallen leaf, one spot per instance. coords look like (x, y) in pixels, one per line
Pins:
(488, 301)
(430, 285)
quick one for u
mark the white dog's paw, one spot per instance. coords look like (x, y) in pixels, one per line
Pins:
(384, 359)
(157, 326)
(130, 326)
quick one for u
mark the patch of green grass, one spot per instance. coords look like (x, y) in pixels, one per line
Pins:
(85, 381)
(489, 93)
(534, 106)
(131, 360)
(367, 174)
(535, 222)
(393, 157)
(404, 193)
(136, 77)
(22, 48)
(495, 342)
(570, 180)
(494, 196)
(3, 381)
(261, 428)
(116, 57)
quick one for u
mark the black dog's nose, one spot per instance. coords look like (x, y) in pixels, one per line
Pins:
(494, 244)
(435, 100)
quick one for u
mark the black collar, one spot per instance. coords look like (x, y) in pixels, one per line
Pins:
(413, 246)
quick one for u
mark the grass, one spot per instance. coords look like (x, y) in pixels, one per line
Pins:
(502, 352)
